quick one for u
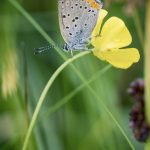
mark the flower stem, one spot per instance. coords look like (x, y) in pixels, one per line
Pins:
(147, 62)
(147, 68)
(44, 93)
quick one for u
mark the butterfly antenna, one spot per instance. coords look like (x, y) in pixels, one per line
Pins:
(41, 49)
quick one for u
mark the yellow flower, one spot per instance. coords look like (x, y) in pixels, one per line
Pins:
(110, 40)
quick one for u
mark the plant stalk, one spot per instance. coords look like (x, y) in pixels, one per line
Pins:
(147, 62)
(147, 68)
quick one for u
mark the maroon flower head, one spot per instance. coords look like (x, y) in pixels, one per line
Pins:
(137, 121)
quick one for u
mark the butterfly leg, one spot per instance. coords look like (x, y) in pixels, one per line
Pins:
(66, 47)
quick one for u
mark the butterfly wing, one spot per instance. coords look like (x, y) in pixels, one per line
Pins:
(90, 20)
(77, 20)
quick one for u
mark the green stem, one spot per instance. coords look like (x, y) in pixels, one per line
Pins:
(138, 27)
(147, 68)
(44, 93)
(147, 62)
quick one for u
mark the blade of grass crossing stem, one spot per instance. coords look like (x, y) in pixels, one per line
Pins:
(68, 97)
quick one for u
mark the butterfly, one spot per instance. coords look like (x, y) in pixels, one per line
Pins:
(77, 19)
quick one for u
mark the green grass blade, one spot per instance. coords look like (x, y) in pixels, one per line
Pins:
(68, 97)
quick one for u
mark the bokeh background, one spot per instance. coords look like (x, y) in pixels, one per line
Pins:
(81, 123)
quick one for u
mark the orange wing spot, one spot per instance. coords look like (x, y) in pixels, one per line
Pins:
(93, 4)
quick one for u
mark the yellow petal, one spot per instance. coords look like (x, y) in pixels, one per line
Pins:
(102, 15)
(120, 58)
(114, 35)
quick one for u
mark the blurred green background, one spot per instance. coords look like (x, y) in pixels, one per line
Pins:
(80, 124)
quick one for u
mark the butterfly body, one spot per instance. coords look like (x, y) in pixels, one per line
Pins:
(77, 20)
